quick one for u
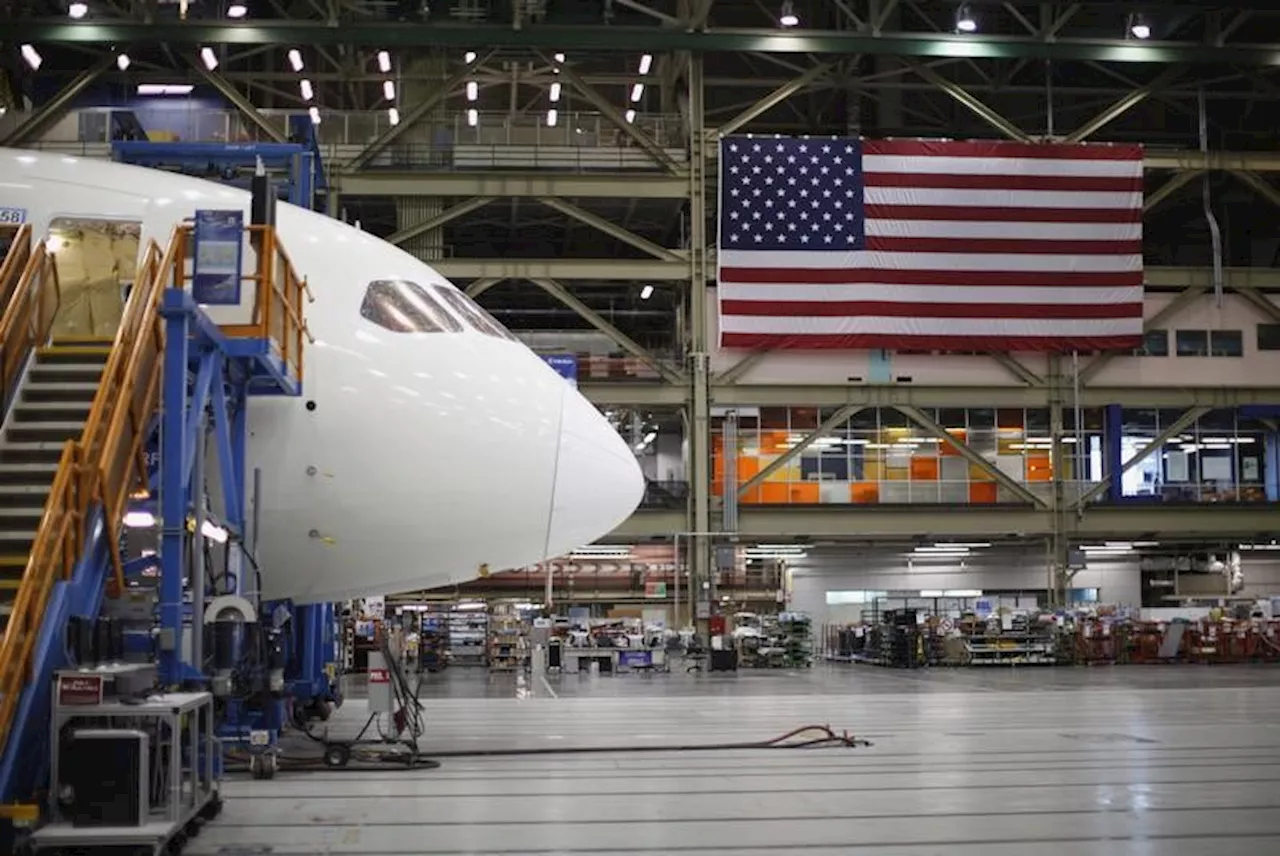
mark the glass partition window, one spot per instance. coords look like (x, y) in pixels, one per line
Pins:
(880, 457)
(473, 313)
(406, 307)
(1222, 458)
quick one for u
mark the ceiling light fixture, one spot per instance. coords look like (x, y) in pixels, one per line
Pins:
(965, 22)
(646, 292)
(384, 62)
(237, 10)
(637, 92)
(209, 58)
(122, 62)
(314, 113)
(307, 91)
(1138, 27)
(555, 91)
(646, 62)
(630, 116)
(473, 90)
(469, 57)
(32, 56)
(389, 90)
(552, 117)
(559, 58)
(473, 117)
(788, 18)
(165, 88)
(78, 10)
(295, 59)
(393, 115)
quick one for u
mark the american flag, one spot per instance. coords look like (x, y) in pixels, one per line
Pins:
(924, 245)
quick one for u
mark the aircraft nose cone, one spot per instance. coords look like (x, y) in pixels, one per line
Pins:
(598, 482)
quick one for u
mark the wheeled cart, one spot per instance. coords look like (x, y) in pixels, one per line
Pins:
(136, 775)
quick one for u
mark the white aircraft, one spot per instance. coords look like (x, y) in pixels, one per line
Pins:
(438, 443)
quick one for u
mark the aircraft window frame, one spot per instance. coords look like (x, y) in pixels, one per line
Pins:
(474, 314)
(413, 319)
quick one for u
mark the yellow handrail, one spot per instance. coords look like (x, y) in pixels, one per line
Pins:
(108, 462)
(15, 259)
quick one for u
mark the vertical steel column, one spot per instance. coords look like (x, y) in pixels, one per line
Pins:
(1113, 451)
(173, 499)
(700, 544)
(198, 568)
(1057, 570)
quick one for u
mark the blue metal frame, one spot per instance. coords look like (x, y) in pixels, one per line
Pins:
(299, 170)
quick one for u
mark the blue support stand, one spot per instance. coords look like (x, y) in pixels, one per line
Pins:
(1112, 450)
(296, 166)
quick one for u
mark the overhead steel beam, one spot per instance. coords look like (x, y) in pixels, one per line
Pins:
(1004, 479)
(637, 185)
(559, 292)
(841, 416)
(241, 103)
(1155, 322)
(413, 116)
(605, 106)
(56, 106)
(636, 38)
(1230, 161)
(1260, 185)
(1017, 369)
(616, 270)
(741, 367)
(438, 220)
(774, 98)
(1170, 187)
(1188, 418)
(1124, 105)
(597, 222)
(862, 524)
(972, 103)
(1260, 300)
(480, 286)
(651, 394)
(666, 19)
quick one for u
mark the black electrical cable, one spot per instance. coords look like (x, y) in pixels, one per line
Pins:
(824, 737)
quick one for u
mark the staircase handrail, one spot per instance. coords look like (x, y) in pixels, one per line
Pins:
(54, 548)
(13, 262)
(31, 297)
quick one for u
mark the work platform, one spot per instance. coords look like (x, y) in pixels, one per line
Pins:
(108, 396)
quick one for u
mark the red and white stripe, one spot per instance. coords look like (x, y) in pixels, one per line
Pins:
(969, 246)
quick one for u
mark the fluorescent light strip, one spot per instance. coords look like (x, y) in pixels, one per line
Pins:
(295, 59)
(384, 62)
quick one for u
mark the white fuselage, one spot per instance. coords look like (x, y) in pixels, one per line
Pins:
(427, 455)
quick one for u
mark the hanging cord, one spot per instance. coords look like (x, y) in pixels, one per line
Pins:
(1215, 233)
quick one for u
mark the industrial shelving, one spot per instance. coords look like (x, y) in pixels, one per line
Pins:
(508, 649)
(433, 638)
(468, 636)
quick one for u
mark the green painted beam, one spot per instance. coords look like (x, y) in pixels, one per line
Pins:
(636, 38)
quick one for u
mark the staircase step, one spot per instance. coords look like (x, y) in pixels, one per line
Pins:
(78, 372)
(23, 495)
(34, 474)
(38, 411)
(58, 391)
(73, 354)
(31, 453)
(43, 432)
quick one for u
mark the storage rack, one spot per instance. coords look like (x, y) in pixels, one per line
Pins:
(1022, 643)
(797, 635)
(507, 645)
(468, 636)
(433, 638)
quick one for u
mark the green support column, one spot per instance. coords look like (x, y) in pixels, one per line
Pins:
(700, 543)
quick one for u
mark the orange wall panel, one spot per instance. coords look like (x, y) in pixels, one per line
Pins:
(865, 492)
(983, 492)
(806, 493)
(924, 469)
(1039, 468)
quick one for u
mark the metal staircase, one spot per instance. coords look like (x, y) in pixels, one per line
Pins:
(51, 407)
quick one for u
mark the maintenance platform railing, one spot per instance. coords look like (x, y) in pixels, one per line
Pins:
(107, 464)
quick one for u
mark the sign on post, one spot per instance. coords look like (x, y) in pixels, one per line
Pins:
(219, 255)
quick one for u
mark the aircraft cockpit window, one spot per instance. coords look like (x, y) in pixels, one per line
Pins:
(406, 307)
(473, 313)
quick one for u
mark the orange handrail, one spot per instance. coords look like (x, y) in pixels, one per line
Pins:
(15, 259)
(108, 462)
(27, 311)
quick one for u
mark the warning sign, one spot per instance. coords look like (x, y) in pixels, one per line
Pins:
(379, 676)
(79, 689)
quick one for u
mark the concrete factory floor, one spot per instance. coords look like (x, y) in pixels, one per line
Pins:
(1070, 762)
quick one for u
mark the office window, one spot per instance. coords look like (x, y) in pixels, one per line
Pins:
(1269, 337)
(1226, 343)
(406, 307)
(1192, 343)
(472, 313)
(1155, 343)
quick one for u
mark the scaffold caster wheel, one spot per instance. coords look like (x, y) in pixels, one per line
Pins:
(337, 755)
(263, 766)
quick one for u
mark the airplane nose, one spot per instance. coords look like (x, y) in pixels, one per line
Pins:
(598, 483)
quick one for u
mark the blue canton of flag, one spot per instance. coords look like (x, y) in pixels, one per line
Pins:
(792, 194)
